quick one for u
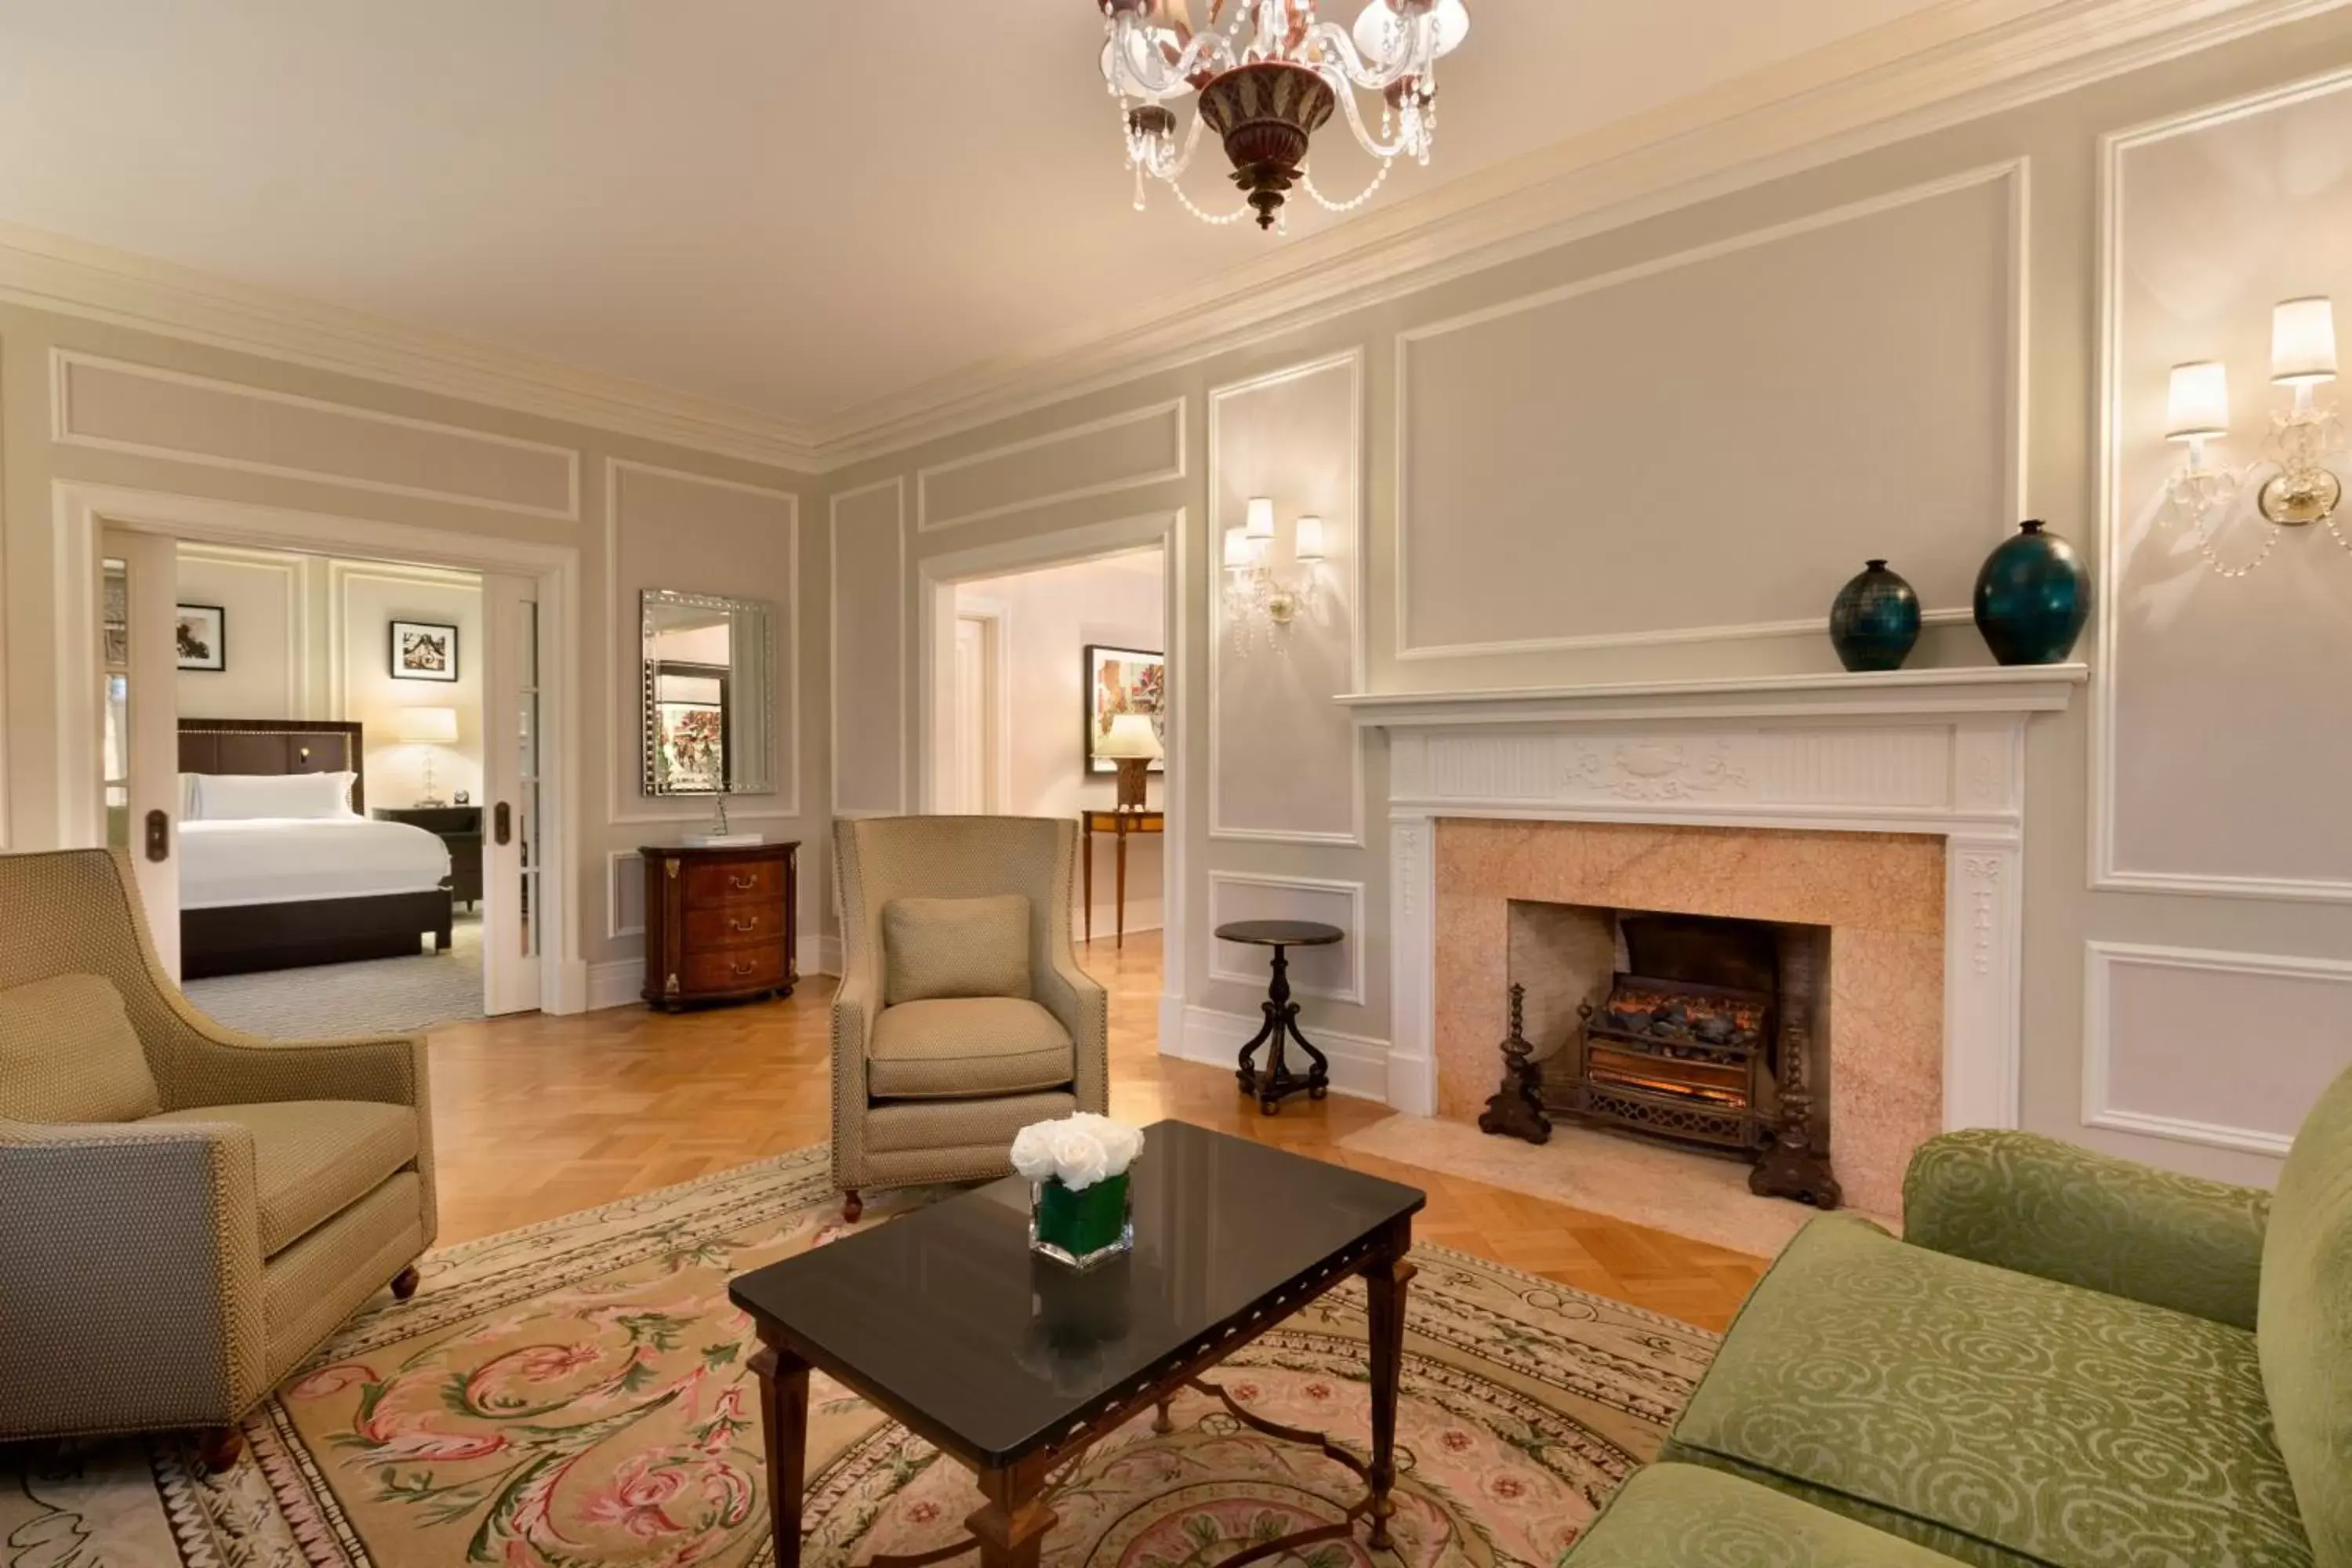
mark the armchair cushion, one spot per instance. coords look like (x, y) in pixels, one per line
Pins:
(966, 1047)
(68, 1053)
(1995, 1416)
(955, 947)
(312, 1159)
(1685, 1516)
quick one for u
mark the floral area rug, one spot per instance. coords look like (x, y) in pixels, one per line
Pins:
(577, 1396)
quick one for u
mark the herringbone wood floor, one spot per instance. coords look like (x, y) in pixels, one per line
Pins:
(536, 1116)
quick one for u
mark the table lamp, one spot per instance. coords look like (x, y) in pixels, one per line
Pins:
(428, 729)
(1134, 745)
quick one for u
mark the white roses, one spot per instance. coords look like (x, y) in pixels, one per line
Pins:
(1079, 1149)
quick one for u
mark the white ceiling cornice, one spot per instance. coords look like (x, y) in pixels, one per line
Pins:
(1938, 67)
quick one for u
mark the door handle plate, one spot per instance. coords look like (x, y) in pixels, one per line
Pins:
(159, 836)
(503, 820)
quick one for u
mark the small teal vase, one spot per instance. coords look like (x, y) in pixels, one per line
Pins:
(1874, 620)
(2034, 598)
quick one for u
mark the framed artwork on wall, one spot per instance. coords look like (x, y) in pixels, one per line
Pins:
(424, 651)
(1123, 680)
(201, 633)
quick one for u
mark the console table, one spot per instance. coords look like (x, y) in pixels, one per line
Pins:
(1120, 823)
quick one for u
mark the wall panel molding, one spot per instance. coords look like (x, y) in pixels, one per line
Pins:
(2103, 962)
(623, 868)
(931, 517)
(898, 486)
(2107, 873)
(1221, 954)
(291, 569)
(2014, 173)
(550, 489)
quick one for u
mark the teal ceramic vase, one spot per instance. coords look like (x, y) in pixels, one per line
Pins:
(2034, 598)
(1874, 620)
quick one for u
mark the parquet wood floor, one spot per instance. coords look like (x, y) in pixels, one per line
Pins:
(536, 1116)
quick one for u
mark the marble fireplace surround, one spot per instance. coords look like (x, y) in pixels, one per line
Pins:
(1882, 758)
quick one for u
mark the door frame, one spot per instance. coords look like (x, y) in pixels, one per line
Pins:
(997, 718)
(82, 511)
(935, 577)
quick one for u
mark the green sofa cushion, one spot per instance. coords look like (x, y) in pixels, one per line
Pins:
(2305, 1324)
(1996, 1416)
(1685, 1516)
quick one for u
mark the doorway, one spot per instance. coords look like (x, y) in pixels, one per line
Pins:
(241, 683)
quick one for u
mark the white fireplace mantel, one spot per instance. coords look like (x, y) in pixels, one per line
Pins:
(1937, 751)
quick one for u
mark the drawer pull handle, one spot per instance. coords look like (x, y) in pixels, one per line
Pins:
(750, 925)
(743, 884)
(744, 968)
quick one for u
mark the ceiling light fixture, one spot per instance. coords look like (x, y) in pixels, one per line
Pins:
(1267, 75)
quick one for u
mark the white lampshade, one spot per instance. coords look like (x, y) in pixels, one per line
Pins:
(2302, 340)
(1240, 549)
(1260, 517)
(426, 726)
(1310, 539)
(1131, 735)
(1379, 30)
(2198, 406)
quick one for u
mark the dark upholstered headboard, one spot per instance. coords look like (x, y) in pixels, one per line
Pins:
(275, 746)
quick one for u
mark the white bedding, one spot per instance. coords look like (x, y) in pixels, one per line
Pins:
(285, 860)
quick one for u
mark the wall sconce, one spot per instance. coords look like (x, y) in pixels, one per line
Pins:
(2301, 489)
(1258, 603)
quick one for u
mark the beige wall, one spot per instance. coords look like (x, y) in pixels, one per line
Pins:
(1656, 452)
(100, 404)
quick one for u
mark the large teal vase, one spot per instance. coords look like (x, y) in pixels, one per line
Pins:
(1874, 620)
(2034, 598)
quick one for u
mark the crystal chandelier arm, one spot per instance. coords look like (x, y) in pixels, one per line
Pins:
(1338, 51)
(1384, 150)
(1352, 203)
(1141, 68)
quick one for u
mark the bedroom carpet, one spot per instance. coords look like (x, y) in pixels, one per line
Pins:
(575, 1395)
(381, 996)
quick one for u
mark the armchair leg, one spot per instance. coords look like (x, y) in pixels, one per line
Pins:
(404, 1284)
(218, 1448)
(852, 1206)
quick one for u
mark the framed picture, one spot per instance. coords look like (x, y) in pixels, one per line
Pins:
(1123, 680)
(424, 651)
(201, 637)
(690, 719)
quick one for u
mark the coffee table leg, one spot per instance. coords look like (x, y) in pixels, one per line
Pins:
(1012, 1528)
(783, 1422)
(1385, 1279)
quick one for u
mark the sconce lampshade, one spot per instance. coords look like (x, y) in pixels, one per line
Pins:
(2198, 406)
(427, 727)
(1260, 517)
(2302, 340)
(1310, 539)
(1131, 735)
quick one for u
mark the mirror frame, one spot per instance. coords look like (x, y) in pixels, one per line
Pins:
(763, 659)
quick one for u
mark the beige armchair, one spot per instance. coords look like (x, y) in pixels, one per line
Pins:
(188, 1212)
(949, 1033)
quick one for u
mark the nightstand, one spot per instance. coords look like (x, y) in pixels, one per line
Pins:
(458, 826)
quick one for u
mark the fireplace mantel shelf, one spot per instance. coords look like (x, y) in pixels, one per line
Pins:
(2014, 689)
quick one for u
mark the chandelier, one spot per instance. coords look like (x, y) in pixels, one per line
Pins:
(1267, 75)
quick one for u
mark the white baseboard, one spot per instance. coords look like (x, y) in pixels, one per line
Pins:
(616, 985)
(571, 989)
(820, 955)
(1360, 1067)
(1143, 914)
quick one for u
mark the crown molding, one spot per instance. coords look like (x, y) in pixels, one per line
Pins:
(51, 272)
(1951, 63)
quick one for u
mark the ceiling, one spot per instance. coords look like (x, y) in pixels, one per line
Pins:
(797, 206)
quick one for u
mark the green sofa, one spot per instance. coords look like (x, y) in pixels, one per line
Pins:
(2069, 1361)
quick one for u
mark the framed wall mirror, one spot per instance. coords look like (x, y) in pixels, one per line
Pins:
(710, 694)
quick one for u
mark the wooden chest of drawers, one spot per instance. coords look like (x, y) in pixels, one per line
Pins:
(719, 923)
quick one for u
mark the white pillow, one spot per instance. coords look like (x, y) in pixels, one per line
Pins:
(238, 797)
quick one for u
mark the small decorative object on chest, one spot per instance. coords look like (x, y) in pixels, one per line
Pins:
(1081, 1208)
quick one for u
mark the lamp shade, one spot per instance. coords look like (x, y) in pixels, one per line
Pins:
(1131, 735)
(2302, 340)
(1260, 517)
(1241, 550)
(426, 726)
(1379, 30)
(1310, 543)
(2198, 406)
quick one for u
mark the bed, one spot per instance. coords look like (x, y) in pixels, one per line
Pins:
(264, 891)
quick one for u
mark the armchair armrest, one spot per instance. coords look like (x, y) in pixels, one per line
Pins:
(855, 1004)
(202, 1064)
(1081, 1005)
(135, 1246)
(2040, 1207)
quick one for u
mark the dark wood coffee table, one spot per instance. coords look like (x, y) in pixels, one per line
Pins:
(1014, 1366)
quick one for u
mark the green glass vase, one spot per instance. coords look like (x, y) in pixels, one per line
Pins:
(1081, 1229)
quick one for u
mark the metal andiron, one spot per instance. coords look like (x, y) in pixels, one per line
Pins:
(1516, 1110)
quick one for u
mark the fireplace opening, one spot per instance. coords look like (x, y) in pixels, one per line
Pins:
(1699, 1030)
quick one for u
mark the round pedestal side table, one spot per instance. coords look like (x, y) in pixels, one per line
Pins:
(1274, 1082)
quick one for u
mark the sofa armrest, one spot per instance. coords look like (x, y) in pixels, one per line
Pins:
(130, 1266)
(1081, 1005)
(2037, 1206)
(203, 1064)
